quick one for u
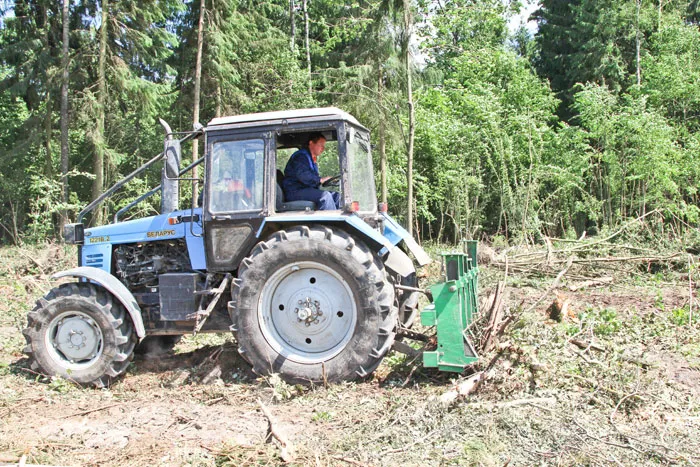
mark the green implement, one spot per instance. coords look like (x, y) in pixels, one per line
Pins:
(452, 312)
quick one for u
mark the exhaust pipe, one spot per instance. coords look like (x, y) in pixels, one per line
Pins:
(170, 188)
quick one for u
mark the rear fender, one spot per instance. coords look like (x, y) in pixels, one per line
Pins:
(113, 286)
(399, 262)
(350, 223)
(395, 234)
(386, 245)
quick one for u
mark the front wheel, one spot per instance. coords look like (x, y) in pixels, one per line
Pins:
(313, 304)
(79, 332)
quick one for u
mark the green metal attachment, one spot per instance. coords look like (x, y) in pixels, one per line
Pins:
(452, 311)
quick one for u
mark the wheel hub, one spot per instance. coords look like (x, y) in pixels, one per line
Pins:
(309, 311)
(77, 338)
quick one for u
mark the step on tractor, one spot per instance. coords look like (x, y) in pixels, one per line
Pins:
(312, 295)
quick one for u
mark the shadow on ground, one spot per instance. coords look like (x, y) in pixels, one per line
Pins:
(205, 364)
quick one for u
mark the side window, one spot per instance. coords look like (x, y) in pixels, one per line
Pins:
(327, 163)
(237, 174)
(283, 155)
(360, 168)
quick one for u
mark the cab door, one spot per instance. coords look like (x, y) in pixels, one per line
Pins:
(235, 200)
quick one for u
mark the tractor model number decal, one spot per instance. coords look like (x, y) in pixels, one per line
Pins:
(160, 233)
(99, 239)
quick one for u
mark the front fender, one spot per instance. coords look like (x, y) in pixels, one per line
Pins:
(113, 286)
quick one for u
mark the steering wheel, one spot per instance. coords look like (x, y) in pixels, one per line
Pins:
(333, 181)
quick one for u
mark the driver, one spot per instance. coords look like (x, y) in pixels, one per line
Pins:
(301, 177)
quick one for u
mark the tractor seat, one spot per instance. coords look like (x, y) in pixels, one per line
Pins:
(282, 206)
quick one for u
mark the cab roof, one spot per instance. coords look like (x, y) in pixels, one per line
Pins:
(288, 115)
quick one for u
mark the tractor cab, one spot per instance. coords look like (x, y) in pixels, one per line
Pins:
(245, 159)
(247, 154)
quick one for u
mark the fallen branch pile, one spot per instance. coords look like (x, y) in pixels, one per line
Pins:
(573, 264)
(549, 258)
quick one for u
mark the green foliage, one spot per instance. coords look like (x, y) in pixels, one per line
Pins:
(683, 317)
(603, 321)
(320, 417)
(633, 151)
(465, 25)
(672, 72)
(517, 136)
(61, 385)
(585, 41)
(483, 145)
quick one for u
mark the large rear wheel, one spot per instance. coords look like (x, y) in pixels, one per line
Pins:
(313, 304)
(79, 332)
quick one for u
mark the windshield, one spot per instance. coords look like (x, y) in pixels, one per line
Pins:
(360, 168)
(237, 176)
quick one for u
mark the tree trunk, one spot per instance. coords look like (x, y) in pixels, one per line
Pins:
(411, 117)
(65, 63)
(293, 29)
(99, 156)
(48, 161)
(218, 99)
(305, 6)
(197, 85)
(48, 129)
(637, 43)
(382, 135)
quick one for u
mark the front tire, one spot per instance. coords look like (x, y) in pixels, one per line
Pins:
(313, 304)
(79, 332)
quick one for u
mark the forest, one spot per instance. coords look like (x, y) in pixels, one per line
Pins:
(481, 129)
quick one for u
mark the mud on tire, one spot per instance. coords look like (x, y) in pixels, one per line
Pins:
(313, 304)
(80, 332)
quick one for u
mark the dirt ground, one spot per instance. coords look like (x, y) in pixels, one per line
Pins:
(632, 397)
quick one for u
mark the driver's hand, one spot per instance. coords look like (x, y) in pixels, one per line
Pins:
(325, 179)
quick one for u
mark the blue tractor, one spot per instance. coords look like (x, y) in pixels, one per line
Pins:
(311, 295)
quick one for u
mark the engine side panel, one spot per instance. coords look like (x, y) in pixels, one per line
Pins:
(96, 252)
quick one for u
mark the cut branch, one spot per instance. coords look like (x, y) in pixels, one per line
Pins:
(286, 447)
(554, 285)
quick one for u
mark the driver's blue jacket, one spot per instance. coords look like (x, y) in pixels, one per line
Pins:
(300, 173)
